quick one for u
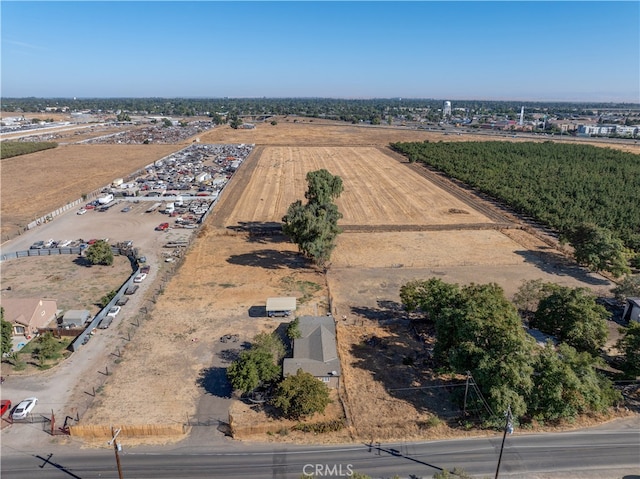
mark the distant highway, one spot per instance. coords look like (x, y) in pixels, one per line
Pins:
(602, 454)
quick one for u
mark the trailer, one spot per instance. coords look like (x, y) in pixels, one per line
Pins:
(106, 199)
(153, 207)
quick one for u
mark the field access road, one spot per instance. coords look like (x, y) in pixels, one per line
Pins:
(611, 451)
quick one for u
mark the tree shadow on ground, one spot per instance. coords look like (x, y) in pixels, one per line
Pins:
(557, 265)
(261, 232)
(402, 360)
(215, 382)
(270, 259)
(229, 355)
(386, 310)
(82, 261)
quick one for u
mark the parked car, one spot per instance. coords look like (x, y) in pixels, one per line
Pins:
(23, 409)
(81, 211)
(162, 227)
(145, 269)
(37, 245)
(140, 278)
(113, 312)
(5, 405)
(131, 289)
(105, 322)
(126, 209)
(122, 301)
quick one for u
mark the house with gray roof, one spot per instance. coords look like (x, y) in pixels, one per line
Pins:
(315, 352)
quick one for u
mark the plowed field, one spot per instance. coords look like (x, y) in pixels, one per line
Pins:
(378, 190)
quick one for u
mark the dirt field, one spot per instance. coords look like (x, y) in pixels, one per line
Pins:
(222, 286)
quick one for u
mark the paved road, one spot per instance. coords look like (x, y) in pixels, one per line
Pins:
(607, 452)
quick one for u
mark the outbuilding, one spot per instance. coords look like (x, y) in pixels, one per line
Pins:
(75, 318)
(631, 310)
(281, 306)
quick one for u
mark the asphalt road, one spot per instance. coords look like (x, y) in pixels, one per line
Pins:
(612, 452)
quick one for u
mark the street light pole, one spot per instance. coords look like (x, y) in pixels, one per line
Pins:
(116, 449)
(508, 428)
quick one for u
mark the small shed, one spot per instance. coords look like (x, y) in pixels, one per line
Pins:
(75, 317)
(281, 306)
(631, 310)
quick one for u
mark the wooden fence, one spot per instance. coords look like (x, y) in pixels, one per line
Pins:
(129, 430)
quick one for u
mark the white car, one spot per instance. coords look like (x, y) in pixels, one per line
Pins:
(23, 409)
(140, 278)
(81, 211)
(113, 312)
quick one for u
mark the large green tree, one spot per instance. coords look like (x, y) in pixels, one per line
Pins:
(7, 331)
(573, 317)
(258, 365)
(301, 395)
(629, 345)
(314, 226)
(628, 287)
(99, 253)
(251, 369)
(598, 249)
(566, 384)
(478, 330)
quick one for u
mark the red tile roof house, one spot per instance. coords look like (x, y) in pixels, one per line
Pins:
(26, 315)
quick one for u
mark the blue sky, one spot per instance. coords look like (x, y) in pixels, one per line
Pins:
(544, 50)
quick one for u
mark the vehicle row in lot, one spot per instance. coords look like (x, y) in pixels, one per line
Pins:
(63, 243)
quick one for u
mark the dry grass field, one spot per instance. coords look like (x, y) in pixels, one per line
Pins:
(163, 375)
(36, 184)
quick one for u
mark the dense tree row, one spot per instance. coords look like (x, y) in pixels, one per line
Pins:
(353, 110)
(560, 185)
(16, 148)
(478, 330)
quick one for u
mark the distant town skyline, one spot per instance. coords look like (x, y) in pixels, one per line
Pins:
(517, 51)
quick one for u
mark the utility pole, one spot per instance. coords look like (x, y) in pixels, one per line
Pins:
(508, 428)
(116, 449)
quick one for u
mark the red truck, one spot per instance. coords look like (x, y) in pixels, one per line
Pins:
(162, 227)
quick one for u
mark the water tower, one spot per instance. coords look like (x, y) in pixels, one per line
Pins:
(446, 109)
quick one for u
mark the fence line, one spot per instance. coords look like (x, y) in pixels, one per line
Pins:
(127, 430)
